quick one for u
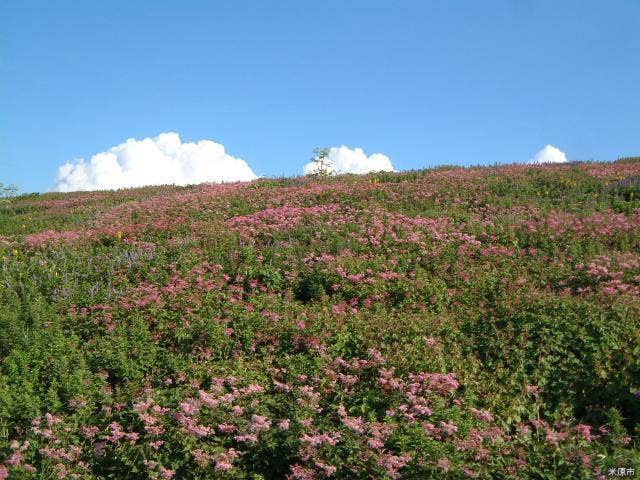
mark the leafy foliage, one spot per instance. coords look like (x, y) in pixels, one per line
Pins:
(442, 323)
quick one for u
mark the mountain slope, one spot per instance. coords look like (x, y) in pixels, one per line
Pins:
(446, 322)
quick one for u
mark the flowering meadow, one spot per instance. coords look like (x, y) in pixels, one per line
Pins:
(439, 324)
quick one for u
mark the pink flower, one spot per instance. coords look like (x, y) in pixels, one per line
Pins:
(375, 443)
(338, 309)
(469, 473)
(328, 469)
(61, 471)
(442, 384)
(430, 342)
(116, 432)
(202, 458)
(284, 424)
(207, 399)
(260, 423)
(533, 390)
(298, 472)
(448, 427)
(132, 437)
(192, 427)
(354, 423)
(223, 465)
(393, 463)
(15, 459)
(554, 437)
(444, 464)
(4, 473)
(585, 431)
(89, 431)
(226, 428)
(199, 430)
(347, 380)
(281, 387)
(157, 444)
(422, 409)
(165, 472)
(190, 406)
(320, 439)
(223, 461)
(237, 410)
(252, 389)
(246, 437)
(481, 415)
(52, 419)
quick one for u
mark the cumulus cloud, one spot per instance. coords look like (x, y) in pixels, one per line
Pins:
(346, 160)
(164, 159)
(549, 154)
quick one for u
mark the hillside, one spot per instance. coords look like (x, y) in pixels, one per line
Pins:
(446, 323)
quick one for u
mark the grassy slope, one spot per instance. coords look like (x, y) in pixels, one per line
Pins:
(466, 319)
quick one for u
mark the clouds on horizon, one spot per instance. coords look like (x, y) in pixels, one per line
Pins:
(164, 159)
(549, 154)
(346, 160)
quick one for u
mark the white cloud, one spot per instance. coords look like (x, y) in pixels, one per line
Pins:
(153, 161)
(346, 160)
(549, 154)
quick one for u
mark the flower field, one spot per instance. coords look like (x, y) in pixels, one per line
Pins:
(439, 324)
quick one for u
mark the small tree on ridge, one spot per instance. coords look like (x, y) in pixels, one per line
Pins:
(8, 190)
(322, 162)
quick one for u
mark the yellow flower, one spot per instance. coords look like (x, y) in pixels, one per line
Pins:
(14, 252)
(119, 234)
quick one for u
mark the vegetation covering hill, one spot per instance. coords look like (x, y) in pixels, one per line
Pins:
(445, 323)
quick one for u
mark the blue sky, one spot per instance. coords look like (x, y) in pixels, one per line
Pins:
(424, 82)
